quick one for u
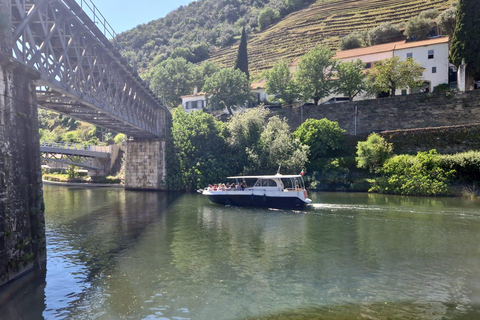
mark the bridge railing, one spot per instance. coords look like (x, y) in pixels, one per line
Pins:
(97, 17)
(75, 146)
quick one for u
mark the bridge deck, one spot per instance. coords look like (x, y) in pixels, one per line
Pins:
(80, 73)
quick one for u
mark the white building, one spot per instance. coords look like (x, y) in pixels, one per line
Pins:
(197, 101)
(194, 102)
(432, 54)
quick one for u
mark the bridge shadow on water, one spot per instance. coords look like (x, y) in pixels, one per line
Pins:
(86, 240)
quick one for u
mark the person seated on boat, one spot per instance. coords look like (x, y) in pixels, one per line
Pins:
(244, 185)
(238, 187)
(221, 187)
(210, 187)
(215, 187)
(227, 187)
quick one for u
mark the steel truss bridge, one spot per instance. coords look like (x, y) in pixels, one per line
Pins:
(75, 154)
(80, 73)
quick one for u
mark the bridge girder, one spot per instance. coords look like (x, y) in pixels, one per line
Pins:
(80, 73)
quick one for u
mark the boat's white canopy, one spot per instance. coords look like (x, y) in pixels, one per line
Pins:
(277, 176)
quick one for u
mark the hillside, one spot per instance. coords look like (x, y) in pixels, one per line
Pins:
(324, 23)
(210, 29)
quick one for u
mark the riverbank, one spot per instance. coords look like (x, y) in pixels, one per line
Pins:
(84, 184)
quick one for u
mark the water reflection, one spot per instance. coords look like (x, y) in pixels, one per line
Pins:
(144, 255)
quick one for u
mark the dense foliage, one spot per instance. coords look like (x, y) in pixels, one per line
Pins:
(205, 150)
(372, 153)
(465, 41)
(227, 88)
(391, 74)
(322, 136)
(350, 78)
(315, 70)
(201, 150)
(414, 175)
(280, 83)
(200, 27)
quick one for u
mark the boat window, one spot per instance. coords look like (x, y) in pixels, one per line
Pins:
(265, 183)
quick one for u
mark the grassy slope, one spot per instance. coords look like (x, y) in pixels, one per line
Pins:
(323, 22)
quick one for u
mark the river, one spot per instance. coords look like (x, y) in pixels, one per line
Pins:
(115, 254)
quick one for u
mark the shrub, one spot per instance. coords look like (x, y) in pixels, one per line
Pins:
(351, 41)
(414, 175)
(372, 153)
(119, 139)
(322, 136)
(442, 87)
(465, 164)
(267, 16)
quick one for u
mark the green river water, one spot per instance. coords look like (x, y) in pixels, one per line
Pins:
(115, 254)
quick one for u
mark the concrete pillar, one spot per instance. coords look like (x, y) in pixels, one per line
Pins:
(22, 222)
(145, 167)
(462, 77)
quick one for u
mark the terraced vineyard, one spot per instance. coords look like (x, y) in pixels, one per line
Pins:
(322, 22)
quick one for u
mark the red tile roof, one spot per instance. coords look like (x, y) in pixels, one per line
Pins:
(386, 47)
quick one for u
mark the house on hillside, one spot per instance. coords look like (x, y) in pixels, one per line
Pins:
(194, 102)
(197, 101)
(258, 89)
(432, 54)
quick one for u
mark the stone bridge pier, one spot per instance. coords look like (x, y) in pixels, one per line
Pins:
(22, 222)
(145, 166)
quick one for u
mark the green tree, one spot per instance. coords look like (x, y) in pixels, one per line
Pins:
(352, 41)
(201, 52)
(242, 56)
(280, 83)
(185, 53)
(429, 14)
(202, 153)
(447, 21)
(384, 33)
(267, 16)
(418, 28)
(119, 139)
(392, 74)
(173, 78)
(465, 41)
(372, 153)
(350, 78)
(414, 175)
(322, 136)
(293, 5)
(227, 88)
(314, 72)
(244, 131)
(277, 147)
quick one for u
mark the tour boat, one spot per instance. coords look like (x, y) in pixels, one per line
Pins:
(271, 191)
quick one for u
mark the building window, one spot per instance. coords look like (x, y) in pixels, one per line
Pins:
(368, 65)
(409, 55)
(430, 54)
(404, 92)
(434, 69)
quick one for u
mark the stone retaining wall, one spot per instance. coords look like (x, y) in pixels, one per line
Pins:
(402, 112)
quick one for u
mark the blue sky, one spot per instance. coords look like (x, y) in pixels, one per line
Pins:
(126, 14)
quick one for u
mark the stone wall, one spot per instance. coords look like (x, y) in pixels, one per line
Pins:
(446, 140)
(145, 165)
(22, 223)
(402, 112)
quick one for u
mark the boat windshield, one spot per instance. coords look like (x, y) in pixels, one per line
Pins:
(266, 183)
(293, 183)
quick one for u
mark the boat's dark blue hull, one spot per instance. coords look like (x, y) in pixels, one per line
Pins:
(257, 201)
